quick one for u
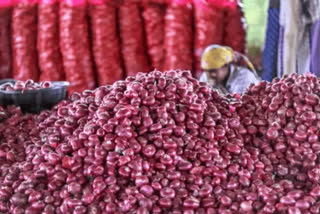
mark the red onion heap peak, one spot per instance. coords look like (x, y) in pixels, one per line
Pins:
(166, 143)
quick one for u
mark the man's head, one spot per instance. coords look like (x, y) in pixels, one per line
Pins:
(218, 75)
(215, 62)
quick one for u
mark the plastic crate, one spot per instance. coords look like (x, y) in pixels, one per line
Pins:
(34, 101)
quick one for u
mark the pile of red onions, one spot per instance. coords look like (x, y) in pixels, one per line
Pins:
(25, 85)
(280, 125)
(166, 143)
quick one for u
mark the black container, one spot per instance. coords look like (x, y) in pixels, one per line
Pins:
(34, 101)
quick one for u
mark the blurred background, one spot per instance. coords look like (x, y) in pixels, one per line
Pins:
(256, 16)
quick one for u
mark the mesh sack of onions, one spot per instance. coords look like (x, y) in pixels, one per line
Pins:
(49, 55)
(178, 37)
(157, 1)
(24, 40)
(223, 3)
(5, 39)
(235, 29)
(132, 38)
(153, 16)
(74, 44)
(163, 2)
(208, 21)
(105, 41)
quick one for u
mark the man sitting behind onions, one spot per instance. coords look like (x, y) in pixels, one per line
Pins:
(227, 70)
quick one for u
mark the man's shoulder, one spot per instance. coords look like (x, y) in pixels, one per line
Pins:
(244, 74)
(241, 79)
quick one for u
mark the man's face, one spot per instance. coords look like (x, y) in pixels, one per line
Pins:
(218, 75)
